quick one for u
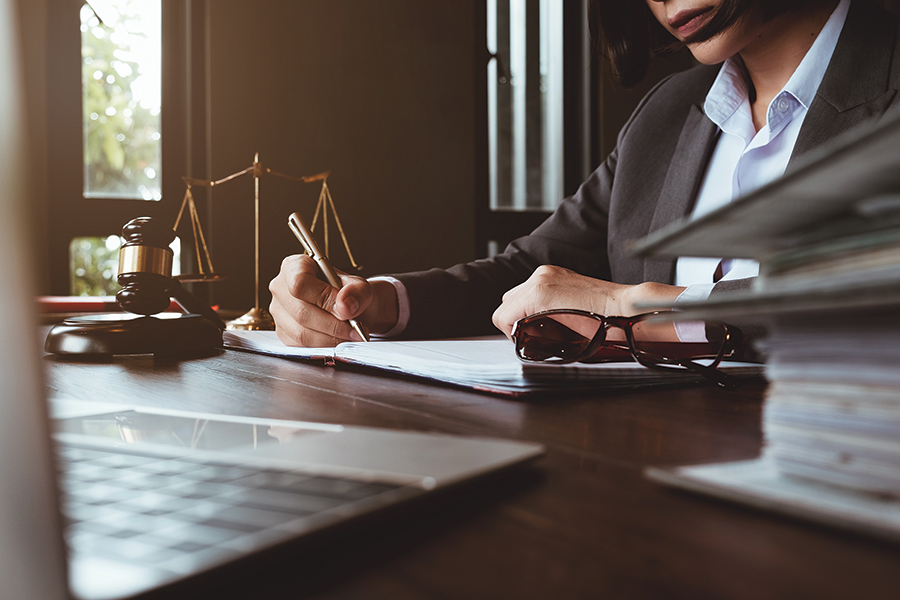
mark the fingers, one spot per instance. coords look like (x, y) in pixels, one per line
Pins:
(551, 287)
(516, 304)
(309, 329)
(506, 315)
(300, 276)
(541, 291)
(309, 312)
(352, 299)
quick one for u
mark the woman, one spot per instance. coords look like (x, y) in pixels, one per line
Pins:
(795, 75)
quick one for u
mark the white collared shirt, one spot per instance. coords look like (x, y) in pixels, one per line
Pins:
(745, 159)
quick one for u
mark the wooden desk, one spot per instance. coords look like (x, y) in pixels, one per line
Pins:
(582, 523)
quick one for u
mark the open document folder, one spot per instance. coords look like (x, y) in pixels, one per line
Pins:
(487, 364)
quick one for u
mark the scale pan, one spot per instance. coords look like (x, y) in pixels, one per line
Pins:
(199, 277)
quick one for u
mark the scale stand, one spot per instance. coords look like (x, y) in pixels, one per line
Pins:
(255, 318)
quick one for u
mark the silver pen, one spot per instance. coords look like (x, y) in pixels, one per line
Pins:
(298, 226)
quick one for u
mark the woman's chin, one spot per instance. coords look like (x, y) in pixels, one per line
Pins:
(710, 53)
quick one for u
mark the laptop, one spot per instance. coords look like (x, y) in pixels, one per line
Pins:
(110, 502)
(152, 497)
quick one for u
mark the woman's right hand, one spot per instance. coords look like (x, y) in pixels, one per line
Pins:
(309, 312)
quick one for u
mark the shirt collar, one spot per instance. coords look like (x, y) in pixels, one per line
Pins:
(805, 81)
(730, 90)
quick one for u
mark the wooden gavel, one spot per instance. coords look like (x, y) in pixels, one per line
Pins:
(145, 272)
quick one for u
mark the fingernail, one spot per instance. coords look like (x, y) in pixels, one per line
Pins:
(352, 306)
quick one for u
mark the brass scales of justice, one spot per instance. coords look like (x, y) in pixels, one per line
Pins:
(255, 318)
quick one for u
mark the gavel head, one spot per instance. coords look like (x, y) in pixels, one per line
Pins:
(145, 266)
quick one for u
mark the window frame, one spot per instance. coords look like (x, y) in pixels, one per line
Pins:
(68, 213)
(581, 140)
(595, 108)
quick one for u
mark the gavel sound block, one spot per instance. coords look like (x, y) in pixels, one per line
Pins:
(145, 274)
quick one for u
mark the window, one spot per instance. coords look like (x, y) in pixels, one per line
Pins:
(121, 78)
(93, 265)
(539, 86)
(94, 261)
(118, 75)
(525, 103)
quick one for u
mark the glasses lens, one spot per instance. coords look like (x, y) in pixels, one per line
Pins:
(671, 342)
(559, 337)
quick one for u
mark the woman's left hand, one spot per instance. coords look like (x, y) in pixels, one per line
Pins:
(552, 287)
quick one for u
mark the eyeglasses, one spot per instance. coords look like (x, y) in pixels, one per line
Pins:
(568, 335)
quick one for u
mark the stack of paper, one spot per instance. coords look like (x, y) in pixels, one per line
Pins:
(831, 419)
(838, 262)
(832, 412)
(827, 236)
(482, 364)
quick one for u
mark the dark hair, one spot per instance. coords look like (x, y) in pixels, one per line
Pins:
(627, 33)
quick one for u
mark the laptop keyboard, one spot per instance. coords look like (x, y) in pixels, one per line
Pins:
(178, 514)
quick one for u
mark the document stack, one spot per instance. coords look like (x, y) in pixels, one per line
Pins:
(832, 411)
(827, 237)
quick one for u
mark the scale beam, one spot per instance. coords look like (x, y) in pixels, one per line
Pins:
(257, 318)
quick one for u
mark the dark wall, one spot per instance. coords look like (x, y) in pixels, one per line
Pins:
(380, 93)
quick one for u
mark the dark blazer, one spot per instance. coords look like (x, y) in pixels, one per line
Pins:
(652, 179)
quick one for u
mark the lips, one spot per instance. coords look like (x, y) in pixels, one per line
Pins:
(689, 21)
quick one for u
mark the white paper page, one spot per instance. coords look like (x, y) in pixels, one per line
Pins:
(437, 357)
(481, 360)
(267, 342)
(489, 364)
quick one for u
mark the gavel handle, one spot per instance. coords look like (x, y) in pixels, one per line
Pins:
(192, 304)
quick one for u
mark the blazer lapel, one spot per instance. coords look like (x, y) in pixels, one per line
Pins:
(856, 88)
(681, 185)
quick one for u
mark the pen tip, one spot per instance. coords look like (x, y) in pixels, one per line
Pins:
(360, 329)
